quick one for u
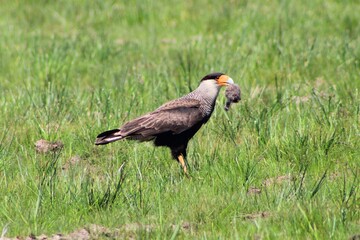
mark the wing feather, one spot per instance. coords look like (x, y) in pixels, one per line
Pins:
(176, 116)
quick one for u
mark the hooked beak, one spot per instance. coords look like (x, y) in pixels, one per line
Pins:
(224, 80)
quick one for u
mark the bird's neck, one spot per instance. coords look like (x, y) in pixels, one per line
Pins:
(207, 93)
(208, 90)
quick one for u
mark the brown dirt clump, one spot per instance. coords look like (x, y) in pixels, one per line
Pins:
(93, 231)
(44, 146)
(185, 226)
(300, 99)
(252, 216)
(277, 180)
(253, 191)
(355, 237)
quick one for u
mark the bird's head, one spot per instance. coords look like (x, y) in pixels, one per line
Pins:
(220, 79)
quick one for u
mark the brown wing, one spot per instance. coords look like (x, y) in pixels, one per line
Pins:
(175, 116)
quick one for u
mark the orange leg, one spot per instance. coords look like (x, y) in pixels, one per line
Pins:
(182, 162)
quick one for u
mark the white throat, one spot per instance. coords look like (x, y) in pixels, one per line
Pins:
(207, 93)
(209, 90)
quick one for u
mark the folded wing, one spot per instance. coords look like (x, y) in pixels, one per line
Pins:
(175, 117)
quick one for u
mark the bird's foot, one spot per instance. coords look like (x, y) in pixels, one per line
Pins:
(183, 165)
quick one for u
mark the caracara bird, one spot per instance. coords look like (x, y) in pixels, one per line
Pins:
(174, 123)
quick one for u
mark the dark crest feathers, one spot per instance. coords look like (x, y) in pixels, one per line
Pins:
(214, 75)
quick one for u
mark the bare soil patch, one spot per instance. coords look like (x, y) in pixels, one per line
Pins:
(252, 216)
(93, 231)
(44, 146)
(253, 191)
(277, 180)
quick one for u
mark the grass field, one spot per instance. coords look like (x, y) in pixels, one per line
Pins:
(284, 163)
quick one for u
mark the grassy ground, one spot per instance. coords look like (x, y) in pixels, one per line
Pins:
(284, 163)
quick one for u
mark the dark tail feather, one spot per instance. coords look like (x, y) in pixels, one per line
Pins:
(108, 137)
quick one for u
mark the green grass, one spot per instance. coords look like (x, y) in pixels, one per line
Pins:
(70, 70)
